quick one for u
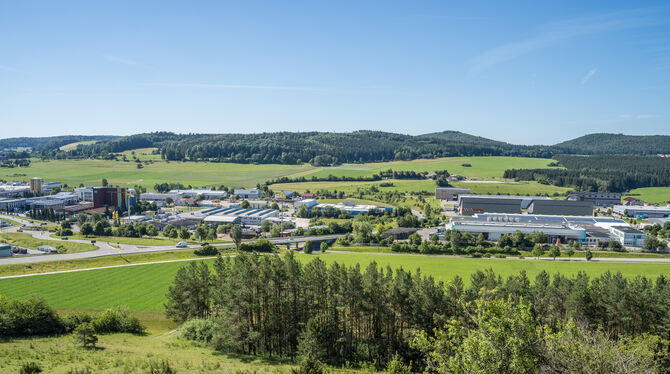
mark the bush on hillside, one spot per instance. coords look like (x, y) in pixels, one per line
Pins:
(207, 250)
(117, 320)
(27, 318)
(258, 246)
(200, 330)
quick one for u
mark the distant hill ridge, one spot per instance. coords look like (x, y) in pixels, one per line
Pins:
(327, 148)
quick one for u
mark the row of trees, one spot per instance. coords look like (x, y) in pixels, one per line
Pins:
(601, 173)
(271, 305)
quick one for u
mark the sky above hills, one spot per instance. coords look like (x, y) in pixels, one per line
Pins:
(524, 72)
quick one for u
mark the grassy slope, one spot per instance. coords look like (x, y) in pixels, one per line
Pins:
(482, 167)
(653, 195)
(143, 288)
(27, 241)
(124, 240)
(405, 186)
(91, 172)
(124, 353)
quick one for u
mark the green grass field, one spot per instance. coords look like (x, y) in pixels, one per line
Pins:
(125, 240)
(125, 353)
(653, 195)
(27, 241)
(482, 167)
(413, 186)
(91, 172)
(143, 288)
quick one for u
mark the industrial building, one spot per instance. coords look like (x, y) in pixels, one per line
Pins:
(84, 193)
(253, 217)
(36, 185)
(597, 198)
(628, 236)
(118, 197)
(473, 204)
(201, 192)
(561, 207)
(12, 205)
(450, 193)
(642, 211)
(248, 194)
(48, 187)
(155, 196)
(309, 203)
(13, 190)
(586, 229)
(354, 210)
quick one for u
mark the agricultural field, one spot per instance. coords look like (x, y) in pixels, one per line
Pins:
(126, 174)
(414, 186)
(71, 146)
(143, 154)
(28, 241)
(481, 167)
(91, 172)
(652, 195)
(104, 288)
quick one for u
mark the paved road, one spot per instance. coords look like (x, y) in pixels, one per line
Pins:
(105, 249)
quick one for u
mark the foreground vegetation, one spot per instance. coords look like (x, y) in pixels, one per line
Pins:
(270, 305)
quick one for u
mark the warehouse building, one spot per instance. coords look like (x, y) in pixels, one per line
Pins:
(248, 194)
(642, 211)
(450, 193)
(473, 204)
(561, 207)
(586, 229)
(597, 198)
(309, 203)
(354, 210)
(13, 205)
(253, 217)
(84, 193)
(200, 192)
(155, 196)
(13, 190)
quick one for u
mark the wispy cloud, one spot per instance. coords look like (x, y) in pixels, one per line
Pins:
(560, 31)
(231, 86)
(120, 60)
(588, 75)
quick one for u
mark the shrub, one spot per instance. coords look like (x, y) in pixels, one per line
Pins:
(207, 250)
(73, 320)
(30, 368)
(309, 365)
(258, 246)
(161, 367)
(31, 317)
(307, 247)
(201, 330)
(117, 320)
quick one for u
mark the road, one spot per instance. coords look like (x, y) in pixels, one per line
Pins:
(105, 249)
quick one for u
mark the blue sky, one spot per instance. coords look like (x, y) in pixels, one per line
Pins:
(524, 72)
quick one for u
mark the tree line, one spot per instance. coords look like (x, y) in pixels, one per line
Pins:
(600, 173)
(277, 306)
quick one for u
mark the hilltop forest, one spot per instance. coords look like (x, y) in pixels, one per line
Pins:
(324, 148)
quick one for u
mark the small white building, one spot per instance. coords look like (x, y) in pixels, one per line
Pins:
(628, 236)
(309, 203)
(248, 194)
(84, 193)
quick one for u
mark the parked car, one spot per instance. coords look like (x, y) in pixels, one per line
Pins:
(63, 238)
(182, 245)
(204, 244)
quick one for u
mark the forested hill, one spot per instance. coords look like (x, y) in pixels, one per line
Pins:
(324, 148)
(460, 137)
(615, 144)
(50, 142)
(318, 148)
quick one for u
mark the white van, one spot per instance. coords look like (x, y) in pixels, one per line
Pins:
(182, 245)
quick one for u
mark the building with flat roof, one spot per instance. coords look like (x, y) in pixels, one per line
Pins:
(474, 204)
(116, 197)
(201, 192)
(84, 193)
(561, 207)
(13, 205)
(155, 196)
(642, 211)
(450, 193)
(597, 198)
(36, 185)
(5, 250)
(584, 229)
(253, 217)
(13, 190)
(629, 236)
(248, 194)
(309, 203)
(354, 210)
